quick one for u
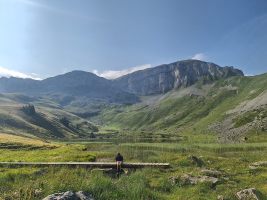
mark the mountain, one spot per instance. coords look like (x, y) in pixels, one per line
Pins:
(69, 86)
(186, 98)
(164, 78)
(230, 109)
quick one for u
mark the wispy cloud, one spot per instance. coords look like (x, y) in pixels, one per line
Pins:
(200, 56)
(9, 72)
(55, 10)
(31, 3)
(112, 74)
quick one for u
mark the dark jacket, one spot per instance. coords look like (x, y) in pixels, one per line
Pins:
(119, 158)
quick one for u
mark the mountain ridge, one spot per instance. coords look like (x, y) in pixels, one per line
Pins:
(75, 83)
(159, 79)
(166, 77)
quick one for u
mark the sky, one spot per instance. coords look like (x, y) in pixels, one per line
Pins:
(43, 38)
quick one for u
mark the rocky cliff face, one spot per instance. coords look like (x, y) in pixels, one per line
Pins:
(166, 77)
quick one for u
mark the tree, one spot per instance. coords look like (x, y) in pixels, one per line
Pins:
(29, 109)
(65, 121)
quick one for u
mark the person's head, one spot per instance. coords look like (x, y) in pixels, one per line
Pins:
(118, 154)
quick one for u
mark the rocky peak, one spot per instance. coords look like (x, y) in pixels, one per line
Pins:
(166, 77)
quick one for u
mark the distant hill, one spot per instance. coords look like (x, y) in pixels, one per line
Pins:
(69, 86)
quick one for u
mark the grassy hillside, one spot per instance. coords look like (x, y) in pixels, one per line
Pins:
(226, 110)
(49, 120)
(226, 107)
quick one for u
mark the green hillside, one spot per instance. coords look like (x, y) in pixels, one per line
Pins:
(225, 107)
(49, 120)
(226, 110)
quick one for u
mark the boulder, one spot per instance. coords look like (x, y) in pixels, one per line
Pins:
(69, 195)
(255, 165)
(196, 160)
(208, 179)
(187, 179)
(247, 194)
(220, 197)
(212, 173)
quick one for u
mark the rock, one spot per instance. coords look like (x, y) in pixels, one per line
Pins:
(247, 194)
(82, 196)
(258, 164)
(220, 197)
(197, 161)
(206, 179)
(187, 179)
(38, 192)
(212, 173)
(69, 195)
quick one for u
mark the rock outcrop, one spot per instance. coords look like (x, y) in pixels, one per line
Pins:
(164, 78)
(188, 179)
(212, 173)
(69, 195)
(256, 165)
(247, 194)
(196, 161)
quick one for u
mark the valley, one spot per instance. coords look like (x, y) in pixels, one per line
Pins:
(208, 122)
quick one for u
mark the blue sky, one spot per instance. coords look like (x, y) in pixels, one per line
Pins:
(42, 38)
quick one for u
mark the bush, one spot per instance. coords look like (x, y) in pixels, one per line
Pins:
(65, 121)
(29, 109)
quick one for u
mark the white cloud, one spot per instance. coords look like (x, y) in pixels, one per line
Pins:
(112, 74)
(9, 72)
(249, 75)
(200, 56)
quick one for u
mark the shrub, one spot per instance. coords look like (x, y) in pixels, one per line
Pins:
(29, 109)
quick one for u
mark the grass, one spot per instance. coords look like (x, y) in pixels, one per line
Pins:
(35, 183)
(19, 140)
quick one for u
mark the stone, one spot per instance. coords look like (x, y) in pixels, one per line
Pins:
(212, 173)
(220, 197)
(196, 160)
(258, 164)
(82, 196)
(187, 179)
(69, 195)
(247, 194)
(206, 179)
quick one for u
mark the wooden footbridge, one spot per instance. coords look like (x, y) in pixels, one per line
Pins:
(86, 164)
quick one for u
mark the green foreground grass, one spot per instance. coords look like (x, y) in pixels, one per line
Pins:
(35, 183)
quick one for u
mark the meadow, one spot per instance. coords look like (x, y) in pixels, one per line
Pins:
(232, 160)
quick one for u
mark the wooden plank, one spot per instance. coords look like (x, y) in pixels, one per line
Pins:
(87, 164)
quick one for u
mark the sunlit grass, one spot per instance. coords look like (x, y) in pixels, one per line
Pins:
(35, 183)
